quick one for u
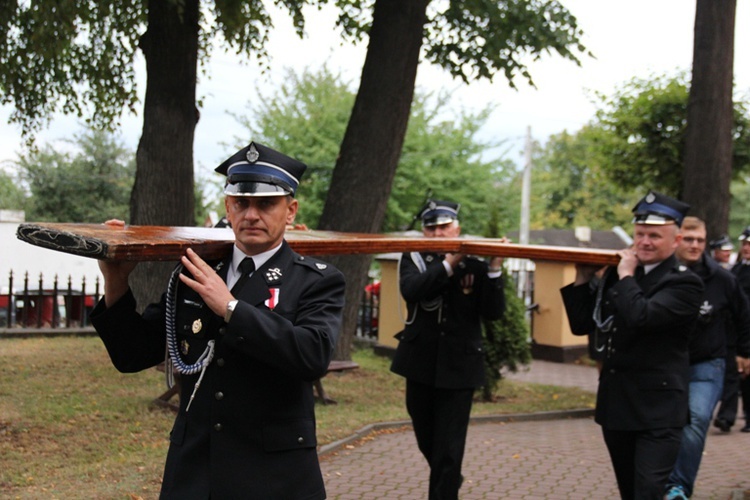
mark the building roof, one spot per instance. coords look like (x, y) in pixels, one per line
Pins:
(581, 238)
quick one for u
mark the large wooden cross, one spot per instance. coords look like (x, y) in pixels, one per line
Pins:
(165, 243)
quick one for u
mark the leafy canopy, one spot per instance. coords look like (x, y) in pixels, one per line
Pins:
(77, 57)
(639, 134)
(89, 183)
(306, 118)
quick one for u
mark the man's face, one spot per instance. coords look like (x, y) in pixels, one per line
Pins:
(745, 250)
(449, 230)
(692, 245)
(654, 244)
(722, 256)
(259, 222)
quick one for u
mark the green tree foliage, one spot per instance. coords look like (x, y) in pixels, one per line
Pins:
(639, 134)
(480, 38)
(569, 188)
(90, 184)
(306, 117)
(12, 195)
(739, 213)
(78, 57)
(506, 341)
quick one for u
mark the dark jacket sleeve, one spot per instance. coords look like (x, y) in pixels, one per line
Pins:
(739, 308)
(579, 306)
(134, 342)
(416, 286)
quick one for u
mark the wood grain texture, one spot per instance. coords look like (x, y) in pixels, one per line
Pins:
(166, 243)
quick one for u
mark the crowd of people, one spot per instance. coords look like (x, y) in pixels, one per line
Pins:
(247, 335)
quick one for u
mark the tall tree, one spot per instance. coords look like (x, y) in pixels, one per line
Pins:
(708, 145)
(473, 39)
(78, 57)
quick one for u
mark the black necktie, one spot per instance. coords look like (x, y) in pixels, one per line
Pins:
(246, 267)
(639, 273)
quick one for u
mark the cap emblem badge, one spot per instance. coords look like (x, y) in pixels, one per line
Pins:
(650, 198)
(252, 154)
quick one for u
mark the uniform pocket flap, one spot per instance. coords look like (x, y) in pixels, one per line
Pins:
(289, 435)
(660, 382)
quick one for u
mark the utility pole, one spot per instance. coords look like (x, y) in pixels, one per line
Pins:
(523, 234)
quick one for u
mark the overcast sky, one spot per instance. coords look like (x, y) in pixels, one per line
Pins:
(635, 38)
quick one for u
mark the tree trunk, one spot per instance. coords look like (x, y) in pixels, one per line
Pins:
(364, 172)
(708, 145)
(163, 193)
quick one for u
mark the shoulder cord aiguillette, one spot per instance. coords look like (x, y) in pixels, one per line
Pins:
(174, 360)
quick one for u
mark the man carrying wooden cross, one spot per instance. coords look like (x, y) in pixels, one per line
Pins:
(248, 334)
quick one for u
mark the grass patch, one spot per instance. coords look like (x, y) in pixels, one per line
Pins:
(71, 426)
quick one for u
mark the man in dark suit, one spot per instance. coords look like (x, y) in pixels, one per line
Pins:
(736, 380)
(724, 311)
(440, 350)
(248, 334)
(644, 309)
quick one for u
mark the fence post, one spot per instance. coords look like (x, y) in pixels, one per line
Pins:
(55, 311)
(10, 299)
(83, 301)
(70, 295)
(40, 298)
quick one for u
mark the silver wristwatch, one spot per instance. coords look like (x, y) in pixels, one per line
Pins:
(230, 309)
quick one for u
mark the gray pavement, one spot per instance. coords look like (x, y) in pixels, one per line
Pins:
(551, 456)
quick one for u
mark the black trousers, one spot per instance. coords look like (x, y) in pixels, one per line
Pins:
(643, 460)
(441, 419)
(734, 385)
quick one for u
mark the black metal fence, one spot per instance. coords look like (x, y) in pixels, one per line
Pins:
(31, 305)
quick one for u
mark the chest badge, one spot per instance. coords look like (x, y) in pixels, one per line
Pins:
(197, 326)
(184, 347)
(273, 275)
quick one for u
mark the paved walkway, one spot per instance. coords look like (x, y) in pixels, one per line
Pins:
(561, 458)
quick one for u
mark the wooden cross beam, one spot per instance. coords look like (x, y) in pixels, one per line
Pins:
(166, 243)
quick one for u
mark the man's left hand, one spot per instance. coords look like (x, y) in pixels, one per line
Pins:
(743, 366)
(206, 282)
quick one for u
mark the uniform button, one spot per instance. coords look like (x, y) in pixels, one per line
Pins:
(217, 427)
(612, 370)
(220, 362)
(222, 330)
(442, 334)
(300, 440)
(614, 329)
(240, 340)
(219, 395)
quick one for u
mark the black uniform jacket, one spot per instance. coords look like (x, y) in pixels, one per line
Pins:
(250, 432)
(644, 380)
(741, 270)
(441, 345)
(724, 314)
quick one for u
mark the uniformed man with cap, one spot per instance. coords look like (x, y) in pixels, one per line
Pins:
(721, 250)
(644, 310)
(248, 334)
(736, 382)
(440, 351)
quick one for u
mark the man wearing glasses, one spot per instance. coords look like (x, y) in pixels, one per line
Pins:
(723, 307)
